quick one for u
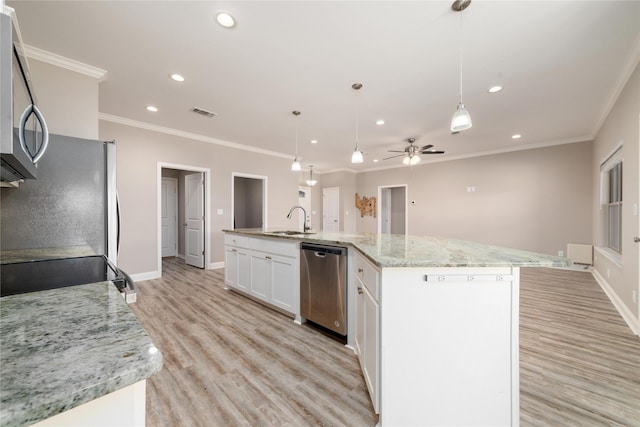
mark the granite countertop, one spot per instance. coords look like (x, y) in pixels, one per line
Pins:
(64, 347)
(395, 250)
(8, 256)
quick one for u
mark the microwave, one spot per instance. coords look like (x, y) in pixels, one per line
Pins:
(23, 131)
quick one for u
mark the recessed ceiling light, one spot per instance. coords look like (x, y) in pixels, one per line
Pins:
(380, 122)
(516, 136)
(314, 141)
(176, 77)
(152, 108)
(495, 89)
(225, 19)
(375, 160)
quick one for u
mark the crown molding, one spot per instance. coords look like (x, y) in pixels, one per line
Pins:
(62, 62)
(188, 135)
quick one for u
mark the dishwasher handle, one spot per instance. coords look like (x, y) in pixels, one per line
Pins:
(322, 251)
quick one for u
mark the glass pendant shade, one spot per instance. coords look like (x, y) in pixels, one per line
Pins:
(295, 166)
(311, 182)
(357, 157)
(411, 160)
(461, 119)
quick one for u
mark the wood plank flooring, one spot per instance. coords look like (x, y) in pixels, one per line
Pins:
(229, 361)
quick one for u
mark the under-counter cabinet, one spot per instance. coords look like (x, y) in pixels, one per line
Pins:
(266, 269)
(367, 333)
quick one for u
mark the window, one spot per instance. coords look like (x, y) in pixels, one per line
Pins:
(615, 207)
(611, 200)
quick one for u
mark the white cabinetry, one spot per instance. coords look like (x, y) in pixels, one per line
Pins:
(367, 339)
(266, 269)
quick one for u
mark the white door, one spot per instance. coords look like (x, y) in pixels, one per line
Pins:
(194, 220)
(304, 200)
(385, 211)
(331, 210)
(169, 215)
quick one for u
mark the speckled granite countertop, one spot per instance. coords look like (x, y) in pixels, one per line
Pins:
(394, 250)
(21, 255)
(64, 347)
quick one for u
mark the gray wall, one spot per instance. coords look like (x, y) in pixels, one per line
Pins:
(537, 200)
(620, 274)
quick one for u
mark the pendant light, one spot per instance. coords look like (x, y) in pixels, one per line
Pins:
(461, 119)
(295, 166)
(311, 182)
(356, 156)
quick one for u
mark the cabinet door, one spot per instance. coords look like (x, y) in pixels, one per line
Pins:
(260, 275)
(230, 266)
(244, 274)
(371, 356)
(283, 283)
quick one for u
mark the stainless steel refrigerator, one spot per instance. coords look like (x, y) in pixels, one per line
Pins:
(73, 201)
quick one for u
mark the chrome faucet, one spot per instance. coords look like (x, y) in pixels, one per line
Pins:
(305, 227)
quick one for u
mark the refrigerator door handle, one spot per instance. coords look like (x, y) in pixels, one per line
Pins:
(117, 223)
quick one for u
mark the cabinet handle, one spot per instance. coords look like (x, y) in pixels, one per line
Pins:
(267, 257)
(360, 270)
(234, 250)
(360, 291)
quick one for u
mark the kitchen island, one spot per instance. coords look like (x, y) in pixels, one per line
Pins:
(433, 321)
(73, 356)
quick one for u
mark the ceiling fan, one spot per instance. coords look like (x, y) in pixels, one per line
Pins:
(411, 152)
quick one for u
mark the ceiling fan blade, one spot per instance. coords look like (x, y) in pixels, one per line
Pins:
(432, 152)
(393, 157)
(426, 147)
(395, 151)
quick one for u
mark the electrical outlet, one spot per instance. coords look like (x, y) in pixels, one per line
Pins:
(560, 253)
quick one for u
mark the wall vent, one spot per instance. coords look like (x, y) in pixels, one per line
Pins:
(203, 112)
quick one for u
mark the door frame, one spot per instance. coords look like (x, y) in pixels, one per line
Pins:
(265, 181)
(207, 210)
(406, 211)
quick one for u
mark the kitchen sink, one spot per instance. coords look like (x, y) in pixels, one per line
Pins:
(291, 233)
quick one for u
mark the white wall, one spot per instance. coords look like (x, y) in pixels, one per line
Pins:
(537, 200)
(68, 100)
(140, 151)
(620, 276)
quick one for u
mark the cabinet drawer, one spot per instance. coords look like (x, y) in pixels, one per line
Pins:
(236, 240)
(368, 274)
(276, 247)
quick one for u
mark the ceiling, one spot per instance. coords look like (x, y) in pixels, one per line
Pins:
(561, 63)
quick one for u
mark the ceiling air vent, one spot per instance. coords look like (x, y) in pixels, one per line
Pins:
(203, 112)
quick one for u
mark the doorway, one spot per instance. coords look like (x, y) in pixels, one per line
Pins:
(198, 208)
(249, 196)
(392, 209)
(331, 209)
(169, 215)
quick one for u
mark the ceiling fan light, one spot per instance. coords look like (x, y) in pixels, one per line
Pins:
(461, 119)
(406, 160)
(357, 157)
(295, 166)
(414, 160)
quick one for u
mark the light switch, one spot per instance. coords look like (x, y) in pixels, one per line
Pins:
(220, 212)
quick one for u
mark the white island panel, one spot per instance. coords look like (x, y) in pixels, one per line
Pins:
(449, 347)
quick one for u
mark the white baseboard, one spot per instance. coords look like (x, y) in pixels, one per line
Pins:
(216, 265)
(627, 315)
(149, 275)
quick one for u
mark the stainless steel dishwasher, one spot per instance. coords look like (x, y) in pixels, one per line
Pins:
(323, 286)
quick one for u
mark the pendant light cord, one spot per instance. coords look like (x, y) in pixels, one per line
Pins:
(357, 117)
(461, 37)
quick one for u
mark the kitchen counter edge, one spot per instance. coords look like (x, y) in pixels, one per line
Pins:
(393, 250)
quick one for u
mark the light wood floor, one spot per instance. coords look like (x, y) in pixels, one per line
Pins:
(229, 361)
